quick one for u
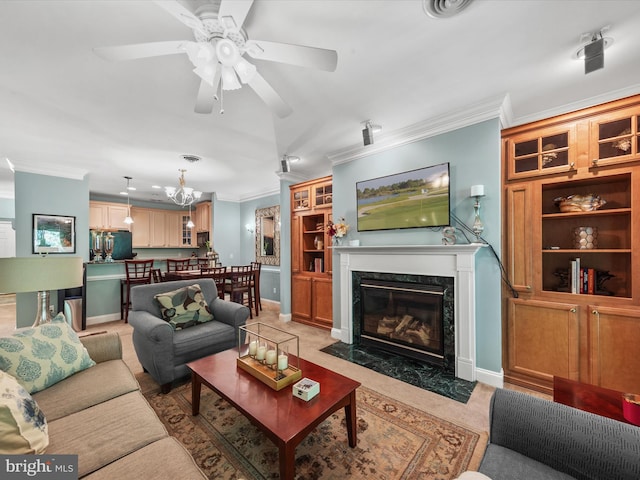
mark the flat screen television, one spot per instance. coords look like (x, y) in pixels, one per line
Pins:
(413, 199)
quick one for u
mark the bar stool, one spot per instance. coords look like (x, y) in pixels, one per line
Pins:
(138, 272)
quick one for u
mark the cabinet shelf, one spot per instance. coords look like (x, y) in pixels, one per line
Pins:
(582, 251)
(594, 213)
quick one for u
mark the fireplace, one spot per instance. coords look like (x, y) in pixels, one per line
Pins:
(407, 315)
(453, 262)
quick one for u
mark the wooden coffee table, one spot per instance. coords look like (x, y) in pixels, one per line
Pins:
(285, 419)
(590, 398)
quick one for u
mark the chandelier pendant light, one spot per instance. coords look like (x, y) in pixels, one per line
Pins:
(182, 195)
(128, 219)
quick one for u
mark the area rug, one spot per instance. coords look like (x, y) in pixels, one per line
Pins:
(395, 441)
(419, 374)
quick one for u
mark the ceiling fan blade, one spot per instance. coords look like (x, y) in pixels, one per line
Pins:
(141, 50)
(293, 54)
(181, 13)
(269, 96)
(236, 9)
(207, 95)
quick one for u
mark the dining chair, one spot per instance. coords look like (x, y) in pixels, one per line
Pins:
(256, 267)
(138, 272)
(219, 275)
(239, 288)
(176, 264)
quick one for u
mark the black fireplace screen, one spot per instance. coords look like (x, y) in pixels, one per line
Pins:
(403, 315)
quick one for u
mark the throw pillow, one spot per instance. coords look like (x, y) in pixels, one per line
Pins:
(184, 307)
(23, 428)
(44, 355)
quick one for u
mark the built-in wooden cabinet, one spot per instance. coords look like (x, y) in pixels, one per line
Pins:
(572, 306)
(154, 228)
(107, 216)
(311, 259)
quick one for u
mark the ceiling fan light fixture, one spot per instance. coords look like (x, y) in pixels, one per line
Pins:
(227, 52)
(444, 8)
(245, 70)
(230, 79)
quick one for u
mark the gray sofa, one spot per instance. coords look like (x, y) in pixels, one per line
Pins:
(532, 438)
(164, 352)
(100, 415)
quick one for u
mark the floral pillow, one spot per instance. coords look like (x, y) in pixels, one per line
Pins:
(184, 307)
(23, 428)
(44, 355)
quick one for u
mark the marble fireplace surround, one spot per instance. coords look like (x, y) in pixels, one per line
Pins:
(457, 261)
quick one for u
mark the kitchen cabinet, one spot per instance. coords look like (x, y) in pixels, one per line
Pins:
(311, 259)
(107, 216)
(203, 217)
(155, 228)
(571, 236)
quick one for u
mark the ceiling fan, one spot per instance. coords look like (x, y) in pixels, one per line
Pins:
(218, 52)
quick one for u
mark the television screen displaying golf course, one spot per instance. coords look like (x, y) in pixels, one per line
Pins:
(417, 198)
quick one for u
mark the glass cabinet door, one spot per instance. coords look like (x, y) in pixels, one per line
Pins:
(614, 138)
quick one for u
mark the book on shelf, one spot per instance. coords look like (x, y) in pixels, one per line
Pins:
(318, 265)
(582, 279)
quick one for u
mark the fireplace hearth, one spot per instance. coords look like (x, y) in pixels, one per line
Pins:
(407, 315)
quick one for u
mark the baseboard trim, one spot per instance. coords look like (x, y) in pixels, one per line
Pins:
(97, 320)
(495, 379)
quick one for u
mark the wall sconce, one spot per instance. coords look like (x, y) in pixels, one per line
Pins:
(477, 191)
(249, 228)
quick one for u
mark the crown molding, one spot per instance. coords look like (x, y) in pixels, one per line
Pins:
(579, 105)
(71, 173)
(495, 107)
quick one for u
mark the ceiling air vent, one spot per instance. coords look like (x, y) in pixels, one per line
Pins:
(191, 158)
(444, 8)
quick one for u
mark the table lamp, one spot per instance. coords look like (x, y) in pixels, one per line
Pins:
(40, 274)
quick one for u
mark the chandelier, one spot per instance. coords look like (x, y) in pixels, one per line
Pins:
(182, 195)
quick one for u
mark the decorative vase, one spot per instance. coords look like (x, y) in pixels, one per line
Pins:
(337, 241)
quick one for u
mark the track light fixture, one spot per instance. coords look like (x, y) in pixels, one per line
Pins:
(369, 129)
(593, 52)
(286, 162)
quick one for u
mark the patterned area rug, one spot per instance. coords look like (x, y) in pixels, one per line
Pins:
(395, 441)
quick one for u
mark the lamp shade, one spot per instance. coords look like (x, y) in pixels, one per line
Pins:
(35, 274)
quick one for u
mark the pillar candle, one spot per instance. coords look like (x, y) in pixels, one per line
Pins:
(271, 357)
(261, 352)
(283, 362)
(253, 346)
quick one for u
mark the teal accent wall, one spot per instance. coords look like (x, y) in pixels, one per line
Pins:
(285, 247)
(7, 209)
(270, 274)
(227, 231)
(474, 156)
(50, 195)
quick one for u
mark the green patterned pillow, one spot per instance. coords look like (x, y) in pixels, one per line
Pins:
(23, 428)
(44, 355)
(184, 307)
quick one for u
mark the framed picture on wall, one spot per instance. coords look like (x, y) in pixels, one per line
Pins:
(54, 234)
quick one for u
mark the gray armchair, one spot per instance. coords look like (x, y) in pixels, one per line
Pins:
(163, 351)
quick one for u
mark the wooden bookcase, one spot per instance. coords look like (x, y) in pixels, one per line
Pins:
(311, 259)
(587, 331)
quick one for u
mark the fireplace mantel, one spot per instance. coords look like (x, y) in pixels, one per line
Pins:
(457, 261)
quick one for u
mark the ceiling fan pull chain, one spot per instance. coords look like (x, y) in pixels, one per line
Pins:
(221, 99)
